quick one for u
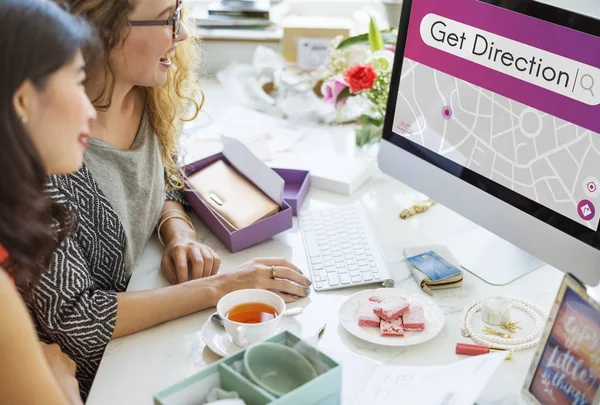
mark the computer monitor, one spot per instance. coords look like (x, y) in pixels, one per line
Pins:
(494, 112)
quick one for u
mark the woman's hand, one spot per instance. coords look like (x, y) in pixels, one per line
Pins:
(183, 254)
(289, 283)
(63, 369)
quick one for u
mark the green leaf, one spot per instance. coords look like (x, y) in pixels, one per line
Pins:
(375, 39)
(367, 119)
(388, 36)
(344, 94)
(367, 134)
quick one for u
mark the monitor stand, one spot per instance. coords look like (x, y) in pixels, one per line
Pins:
(491, 258)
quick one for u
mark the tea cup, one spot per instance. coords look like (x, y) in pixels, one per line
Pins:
(245, 334)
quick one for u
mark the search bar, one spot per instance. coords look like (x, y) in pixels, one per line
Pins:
(550, 71)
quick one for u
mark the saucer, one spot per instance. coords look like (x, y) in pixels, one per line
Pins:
(220, 342)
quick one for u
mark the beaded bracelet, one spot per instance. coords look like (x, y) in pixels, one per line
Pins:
(538, 314)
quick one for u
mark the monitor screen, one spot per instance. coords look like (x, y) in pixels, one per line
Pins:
(505, 94)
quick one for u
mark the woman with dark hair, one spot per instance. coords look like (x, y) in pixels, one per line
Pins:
(44, 120)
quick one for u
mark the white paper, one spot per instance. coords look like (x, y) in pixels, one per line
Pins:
(264, 134)
(354, 369)
(256, 171)
(312, 52)
(460, 383)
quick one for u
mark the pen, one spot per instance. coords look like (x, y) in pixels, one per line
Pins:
(475, 350)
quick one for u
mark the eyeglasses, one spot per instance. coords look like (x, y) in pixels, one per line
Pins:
(174, 20)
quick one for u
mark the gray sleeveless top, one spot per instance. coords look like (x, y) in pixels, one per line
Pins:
(133, 181)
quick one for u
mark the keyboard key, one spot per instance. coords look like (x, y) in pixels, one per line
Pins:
(319, 285)
(316, 259)
(318, 266)
(352, 267)
(365, 269)
(344, 278)
(312, 245)
(342, 270)
(372, 263)
(338, 254)
(361, 263)
(329, 263)
(355, 273)
(330, 269)
(357, 279)
(333, 279)
(367, 276)
(376, 276)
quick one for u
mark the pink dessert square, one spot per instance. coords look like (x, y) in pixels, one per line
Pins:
(391, 308)
(366, 316)
(393, 328)
(414, 319)
(376, 298)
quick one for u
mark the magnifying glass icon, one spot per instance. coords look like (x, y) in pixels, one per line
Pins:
(587, 83)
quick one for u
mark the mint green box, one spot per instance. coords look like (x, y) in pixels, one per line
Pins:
(326, 389)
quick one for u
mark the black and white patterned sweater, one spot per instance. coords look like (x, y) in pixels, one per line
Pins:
(75, 303)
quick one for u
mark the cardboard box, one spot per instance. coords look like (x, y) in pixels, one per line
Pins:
(306, 39)
(323, 390)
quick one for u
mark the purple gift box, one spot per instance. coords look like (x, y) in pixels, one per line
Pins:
(297, 183)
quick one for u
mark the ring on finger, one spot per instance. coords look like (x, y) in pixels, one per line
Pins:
(273, 272)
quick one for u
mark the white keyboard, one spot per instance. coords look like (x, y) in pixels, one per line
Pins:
(342, 249)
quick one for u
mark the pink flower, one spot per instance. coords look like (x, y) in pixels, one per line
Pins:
(390, 47)
(332, 88)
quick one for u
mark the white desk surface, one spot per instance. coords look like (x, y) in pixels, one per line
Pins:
(137, 366)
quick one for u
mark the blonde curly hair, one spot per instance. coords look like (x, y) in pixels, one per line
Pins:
(168, 106)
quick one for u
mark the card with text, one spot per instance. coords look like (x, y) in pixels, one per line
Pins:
(566, 369)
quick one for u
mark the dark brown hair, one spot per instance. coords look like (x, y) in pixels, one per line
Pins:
(37, 38)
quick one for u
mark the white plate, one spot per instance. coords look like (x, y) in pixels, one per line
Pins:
(220, 342)
(434, 318)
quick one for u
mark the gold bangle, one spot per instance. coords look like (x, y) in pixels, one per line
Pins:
(189, 222)
(173, 210)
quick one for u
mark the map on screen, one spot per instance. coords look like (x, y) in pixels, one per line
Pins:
(548, 159)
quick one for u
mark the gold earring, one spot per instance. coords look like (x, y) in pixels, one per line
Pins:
(24, 119)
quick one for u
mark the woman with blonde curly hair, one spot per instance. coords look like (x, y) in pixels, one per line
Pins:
(143, 90)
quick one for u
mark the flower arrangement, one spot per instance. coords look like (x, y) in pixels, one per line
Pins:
(361, 66)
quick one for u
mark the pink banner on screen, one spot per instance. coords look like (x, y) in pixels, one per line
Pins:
(550, 68)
